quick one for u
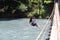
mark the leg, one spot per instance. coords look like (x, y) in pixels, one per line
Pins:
(36, 25)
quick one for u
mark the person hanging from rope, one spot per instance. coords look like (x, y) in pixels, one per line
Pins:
(33, 21)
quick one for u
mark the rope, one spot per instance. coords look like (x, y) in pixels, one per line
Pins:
(44, 27)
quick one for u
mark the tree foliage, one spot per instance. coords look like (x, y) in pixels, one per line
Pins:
(24, 8)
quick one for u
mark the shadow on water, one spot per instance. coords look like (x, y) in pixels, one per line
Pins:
(8, 19)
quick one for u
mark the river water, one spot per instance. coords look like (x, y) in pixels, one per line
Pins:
(20, 29)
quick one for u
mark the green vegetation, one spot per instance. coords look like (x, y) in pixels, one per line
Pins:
(25, 8)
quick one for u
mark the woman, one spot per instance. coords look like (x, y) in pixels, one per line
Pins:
(33, 21)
